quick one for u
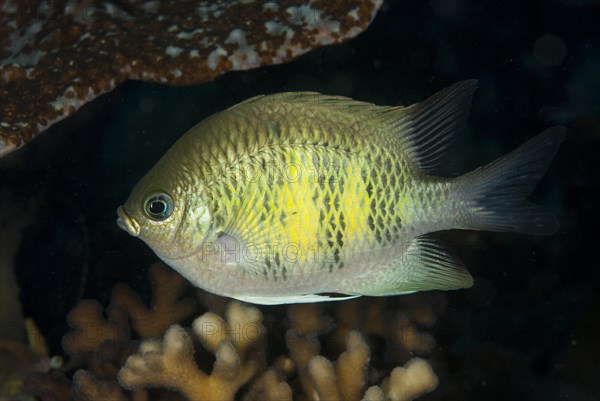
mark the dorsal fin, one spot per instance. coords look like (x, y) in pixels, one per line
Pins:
(428, 127)
(424, 130)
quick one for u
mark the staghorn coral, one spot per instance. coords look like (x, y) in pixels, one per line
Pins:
(53, 385)
(87, 387)
(233, 351)
(102, 341)
(411, 381)
(347, 378)
(402, 327)
(269, 386)
(91, 329)
(56, 56)
(165, 308)
(170, 363)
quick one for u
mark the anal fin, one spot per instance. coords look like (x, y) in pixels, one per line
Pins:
(425, 265)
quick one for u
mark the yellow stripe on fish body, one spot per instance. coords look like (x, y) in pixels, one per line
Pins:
(320, 203)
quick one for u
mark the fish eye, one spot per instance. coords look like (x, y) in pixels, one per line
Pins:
(158, 206)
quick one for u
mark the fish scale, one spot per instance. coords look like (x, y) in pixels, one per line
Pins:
(295, 196)
(336, 192)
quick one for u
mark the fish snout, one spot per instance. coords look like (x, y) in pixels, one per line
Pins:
(127, 223)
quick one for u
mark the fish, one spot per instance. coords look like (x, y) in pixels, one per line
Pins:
(303, 197)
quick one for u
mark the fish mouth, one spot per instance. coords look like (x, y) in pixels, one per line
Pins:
(127, 223)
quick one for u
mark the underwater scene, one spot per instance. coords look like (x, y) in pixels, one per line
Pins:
(299, 200)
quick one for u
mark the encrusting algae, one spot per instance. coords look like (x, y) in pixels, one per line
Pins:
(233, 351)
(47, 72)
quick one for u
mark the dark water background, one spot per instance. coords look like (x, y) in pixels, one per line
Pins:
(528, 329)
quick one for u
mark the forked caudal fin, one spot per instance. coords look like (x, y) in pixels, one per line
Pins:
(496, 193)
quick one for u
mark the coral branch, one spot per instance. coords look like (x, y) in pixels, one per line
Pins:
(90, 328)
(400, 324)
(322, 374)
(89, 388)
(302, 349)
(52, 386)
(170, 363)
(374, 393)
(351, 367)
(411, 381)
(175, 366)
(166, 307)
(346, 381)
(268, 387)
